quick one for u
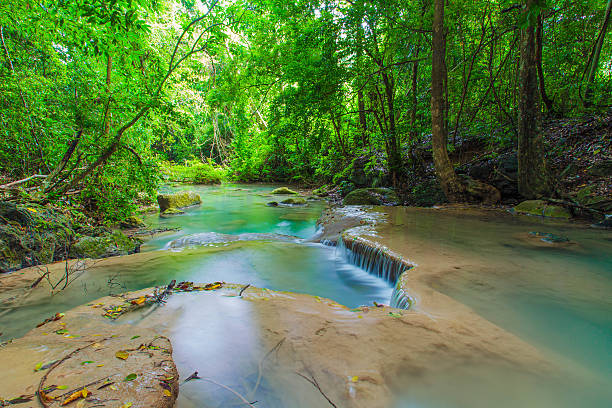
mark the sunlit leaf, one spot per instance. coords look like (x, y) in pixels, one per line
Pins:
(131, 377)
(122, 354)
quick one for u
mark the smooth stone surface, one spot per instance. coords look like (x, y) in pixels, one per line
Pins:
(177, 200)
(543, 209)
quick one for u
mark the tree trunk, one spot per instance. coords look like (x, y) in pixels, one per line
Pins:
(394, 157)
(539, 35)
(594, 61)
(444, 168)
(533, 180)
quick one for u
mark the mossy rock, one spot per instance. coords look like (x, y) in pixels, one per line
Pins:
(371, 196)
(132, 222)
(283, 190)
(543, 209)
(114, 244)
(173, 211)
(178, 200)
(294, 201)
(589, 199)
(272, 204)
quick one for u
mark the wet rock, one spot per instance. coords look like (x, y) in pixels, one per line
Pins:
(172, 211)
(272, 204)
(105, 246)
(549, 237)
(177, 200)
(606, 223)
(543, 209)
(371, 196)
(283, 190)
(294, 201)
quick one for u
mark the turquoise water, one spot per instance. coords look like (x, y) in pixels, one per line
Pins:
(556, 297)
(278, 262)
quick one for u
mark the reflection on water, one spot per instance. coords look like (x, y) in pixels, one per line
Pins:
(556, 297)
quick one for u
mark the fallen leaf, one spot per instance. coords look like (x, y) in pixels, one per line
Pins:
(131, 377)
(61, 331)
(393, 314)
(86, 362)
(126, 405)
(167, 393)
(38, 366)
(138, 301)
(62, 387)
(76, 395)
(134, 337)
(122, 354)
(354, 378)
(100, 365)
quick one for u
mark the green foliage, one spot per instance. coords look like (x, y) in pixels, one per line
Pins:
(194, 171)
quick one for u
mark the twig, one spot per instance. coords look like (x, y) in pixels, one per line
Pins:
(25, 180)
(243, 289)
(314, 382)
(54, 366)
(260, 365)
(230, 390)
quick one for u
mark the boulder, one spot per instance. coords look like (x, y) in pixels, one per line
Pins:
(543, 209)
(283, 190)
(105, 246)
(371, 196)
(294, 201)
(178, 200)
(606, 223)
(272, 204)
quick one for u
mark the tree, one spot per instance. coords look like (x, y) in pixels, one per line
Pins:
(533, 177)
(593, 64)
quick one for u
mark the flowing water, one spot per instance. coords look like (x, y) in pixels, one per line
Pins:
(556, 297)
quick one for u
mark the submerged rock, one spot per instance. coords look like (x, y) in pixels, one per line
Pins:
(272, 204)
(543, 209)
(283, 190)
(549, 237)
(207, 238)
(105, 246)
(177, 200)
(294, 201)
(371, 196)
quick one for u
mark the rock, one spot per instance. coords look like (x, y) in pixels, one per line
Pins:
(371, 196)
(345, 187)
(543, 209)
(177, 200)
(272, 204)
(587, 198)
(283, 190)
(480, 192)
(132, 222)
(105, 246)
(294, 201)
(173, 211)
(606, 223)
(549, 237)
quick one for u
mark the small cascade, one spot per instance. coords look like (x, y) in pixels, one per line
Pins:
(379, 261)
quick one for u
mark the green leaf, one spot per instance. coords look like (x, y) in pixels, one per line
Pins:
(134, 337)
(86, 362)
(130, 377)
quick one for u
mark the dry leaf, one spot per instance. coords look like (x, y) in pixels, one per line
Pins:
(76, 395)
(167, 393)
(122, 354)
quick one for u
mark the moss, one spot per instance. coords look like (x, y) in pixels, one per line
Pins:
(542, 208)
(294, 201)
(114, 244)
(371, 196)
(173, 211)
(283, 190)
(322, 191)
(132, 222)
(178, 200)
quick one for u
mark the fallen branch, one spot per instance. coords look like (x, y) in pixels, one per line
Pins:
(243, 289)
(25, 180)
(230, 390)
(260, 365)
(314, 382)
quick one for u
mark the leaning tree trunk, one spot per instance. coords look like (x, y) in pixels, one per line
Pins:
(533, 179)
(444, 168)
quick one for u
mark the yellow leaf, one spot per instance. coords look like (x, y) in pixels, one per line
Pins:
(38, 367)
(75, 396)
(354, 378)
(113, 387)
(32, 209)
(167, 393)
(123, 355)
(126, 405)
(138, 301)
(100, 365)
(360, 316)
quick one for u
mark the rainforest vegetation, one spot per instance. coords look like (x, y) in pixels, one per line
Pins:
(103, 100)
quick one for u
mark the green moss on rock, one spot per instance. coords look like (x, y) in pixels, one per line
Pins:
(371, 196)
(105, 246)
(543, 209)
(294, 201)
(283, 190)
(132, 222)
(177, 200)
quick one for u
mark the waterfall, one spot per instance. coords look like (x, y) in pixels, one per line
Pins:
(379, 261)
